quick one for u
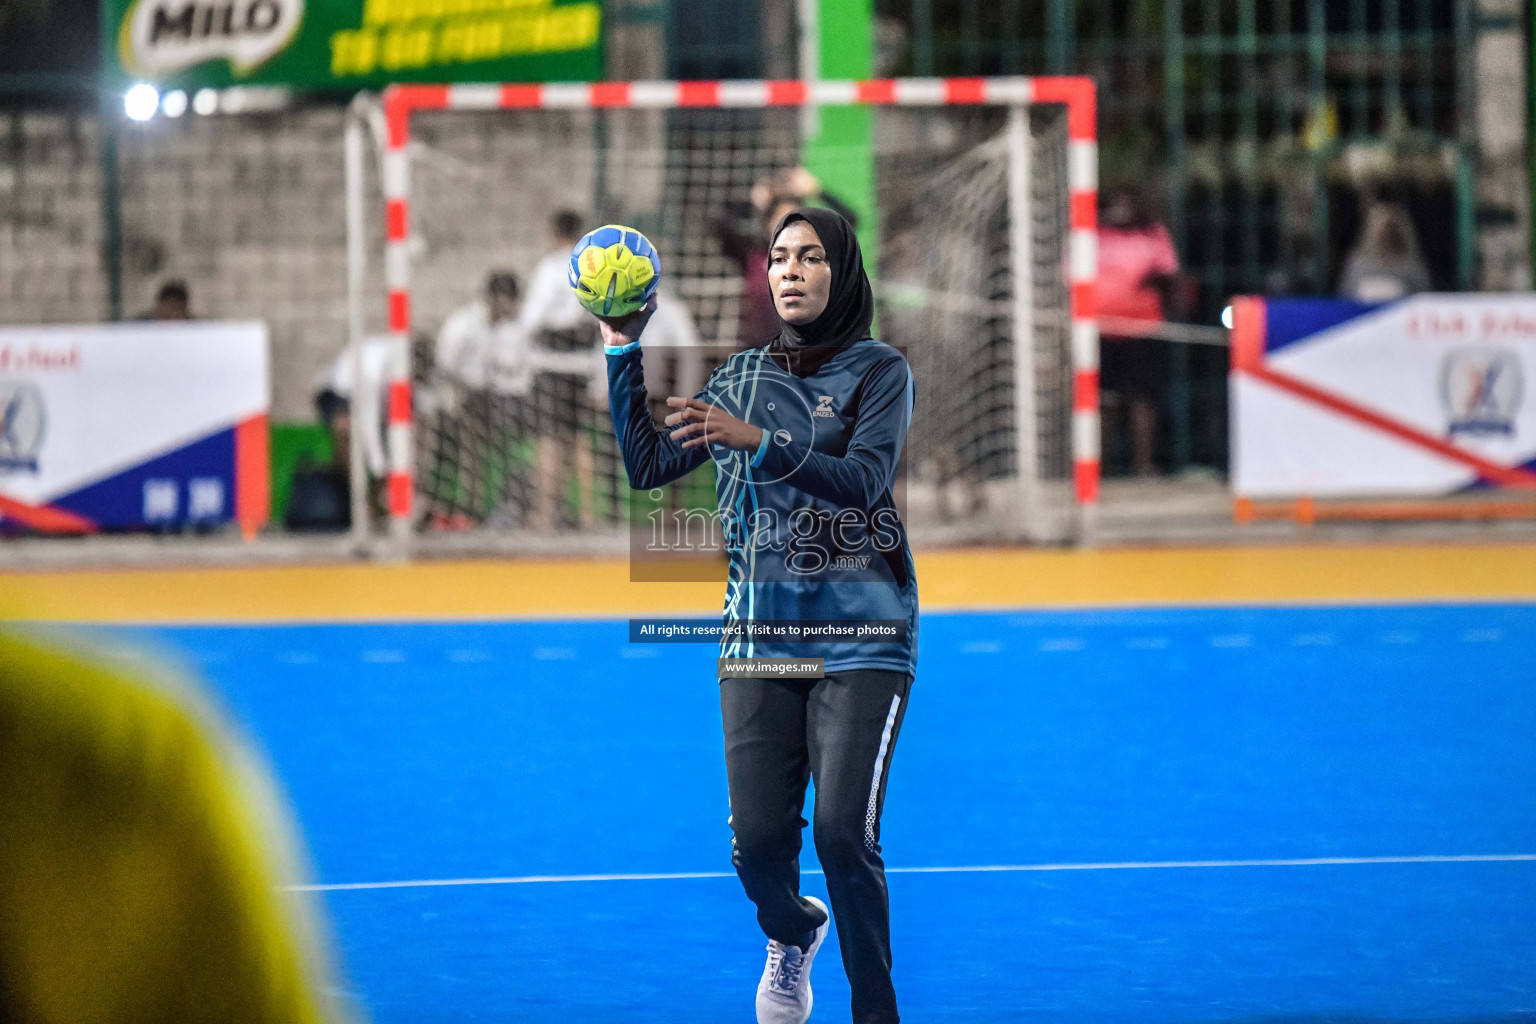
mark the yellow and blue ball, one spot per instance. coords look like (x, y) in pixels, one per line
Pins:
(614, 270)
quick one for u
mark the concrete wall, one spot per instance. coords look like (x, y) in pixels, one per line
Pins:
(50, 220)
(249, 211)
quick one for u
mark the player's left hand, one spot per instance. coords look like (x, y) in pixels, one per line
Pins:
(702, 423)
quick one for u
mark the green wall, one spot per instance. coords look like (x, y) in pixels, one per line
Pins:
(842, 153)
(292, 444)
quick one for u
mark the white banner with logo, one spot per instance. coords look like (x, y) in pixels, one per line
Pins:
(123, 425)
(1428, 395)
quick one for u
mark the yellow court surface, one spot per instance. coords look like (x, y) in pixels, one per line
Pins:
(991, 578)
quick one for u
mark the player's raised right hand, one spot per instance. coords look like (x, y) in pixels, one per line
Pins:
(619, 331)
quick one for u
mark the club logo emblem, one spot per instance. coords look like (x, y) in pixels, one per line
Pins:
(1481, 389)
(22, 422)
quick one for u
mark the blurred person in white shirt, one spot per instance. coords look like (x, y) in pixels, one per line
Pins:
(466, 341)
(551, 304)
(346, 409)
(567, 355)
(674, 363)
(484, 374)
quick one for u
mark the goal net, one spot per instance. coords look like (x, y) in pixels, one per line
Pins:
(966, 212)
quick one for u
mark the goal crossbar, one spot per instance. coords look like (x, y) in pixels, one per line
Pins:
(1075, 93)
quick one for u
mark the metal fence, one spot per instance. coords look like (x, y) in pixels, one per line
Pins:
(1258, 125)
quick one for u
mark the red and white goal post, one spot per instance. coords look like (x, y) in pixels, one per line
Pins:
(1067, 207)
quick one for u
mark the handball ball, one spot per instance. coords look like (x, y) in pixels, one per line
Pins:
(614, 270)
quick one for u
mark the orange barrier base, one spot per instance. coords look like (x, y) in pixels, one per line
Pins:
(1306, 510)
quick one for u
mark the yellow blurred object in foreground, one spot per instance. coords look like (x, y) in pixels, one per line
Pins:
(142, 857)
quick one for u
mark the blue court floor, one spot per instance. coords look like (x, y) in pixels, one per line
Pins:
(1104, 759)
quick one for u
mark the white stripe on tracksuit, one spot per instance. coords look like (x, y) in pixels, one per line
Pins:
(874, 785)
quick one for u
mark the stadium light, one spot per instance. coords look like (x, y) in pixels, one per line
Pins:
(206, 101)
(173, 103)
(141, 101)
(1226, 317)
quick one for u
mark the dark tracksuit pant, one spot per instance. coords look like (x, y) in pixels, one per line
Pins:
(840, 731)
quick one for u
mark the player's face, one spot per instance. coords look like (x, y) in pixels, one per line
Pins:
(798, 274)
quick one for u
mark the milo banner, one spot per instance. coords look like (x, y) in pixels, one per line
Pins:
(347, 44)
(1424, 396)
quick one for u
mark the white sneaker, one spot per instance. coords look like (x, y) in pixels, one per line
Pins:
(784, 993)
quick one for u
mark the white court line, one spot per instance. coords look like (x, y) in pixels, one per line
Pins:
(1468, 858)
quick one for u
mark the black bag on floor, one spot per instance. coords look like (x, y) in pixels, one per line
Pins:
(319, 501)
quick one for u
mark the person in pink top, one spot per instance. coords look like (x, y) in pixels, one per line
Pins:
(1138, 269)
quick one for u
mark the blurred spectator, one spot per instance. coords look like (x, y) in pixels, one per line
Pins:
(344, 406)
(674, 362)
(1385, 263)
(146, 863)
(482, 378)
(172, 302)
(468, 336)
(743, 230)
(551, 304)
(320, 498)
(566, 351)
(1138, 274)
